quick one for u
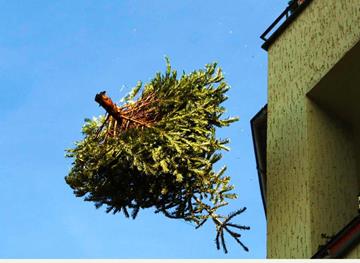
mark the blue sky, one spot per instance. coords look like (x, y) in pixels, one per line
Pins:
(56, 55)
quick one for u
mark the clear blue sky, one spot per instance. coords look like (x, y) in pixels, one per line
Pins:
(56, 55)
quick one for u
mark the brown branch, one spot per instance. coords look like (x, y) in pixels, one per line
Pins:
(138, 114)
(109, 106)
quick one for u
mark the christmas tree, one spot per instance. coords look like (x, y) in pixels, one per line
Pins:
(158, 150)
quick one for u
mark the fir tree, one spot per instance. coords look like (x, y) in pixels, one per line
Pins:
(158, 151)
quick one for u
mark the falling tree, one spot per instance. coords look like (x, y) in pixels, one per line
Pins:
(158, 150)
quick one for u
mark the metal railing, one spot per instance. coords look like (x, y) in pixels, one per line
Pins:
(287, 12)
(287, 16)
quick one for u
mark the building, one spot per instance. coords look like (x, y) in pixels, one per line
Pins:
(307, 138)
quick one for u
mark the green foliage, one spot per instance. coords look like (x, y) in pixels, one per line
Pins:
(167, 165)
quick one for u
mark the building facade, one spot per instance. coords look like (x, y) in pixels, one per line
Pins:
(313, 129)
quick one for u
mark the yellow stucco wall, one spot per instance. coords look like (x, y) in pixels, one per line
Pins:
(354, 253)
(357, 150)
(333, 174)
(309, 153)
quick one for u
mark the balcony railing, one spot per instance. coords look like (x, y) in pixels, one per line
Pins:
(283, 20)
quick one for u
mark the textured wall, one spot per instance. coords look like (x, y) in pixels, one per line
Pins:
(355, 252)
(333, 174)
(357, 152)
(299, 133)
